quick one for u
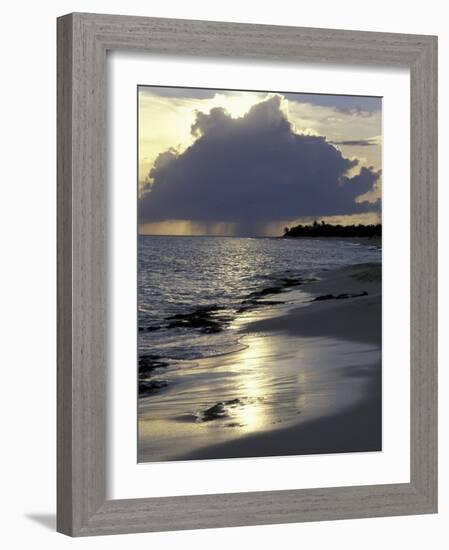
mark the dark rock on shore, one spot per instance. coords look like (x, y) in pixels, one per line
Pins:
(255, 298)
(201, 318)
(149, 363)
(356, 295)
(265, 292)
(148, 329)
(215, 412)
(212, 319)
(324, 297)
(233, 402)
(286, 282)
(343, 296)
(148, 387)
(219, 410)
(252, 304)
(297, 281)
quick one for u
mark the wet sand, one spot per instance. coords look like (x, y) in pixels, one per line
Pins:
(307, 381)
(358, 429)
(348, 314)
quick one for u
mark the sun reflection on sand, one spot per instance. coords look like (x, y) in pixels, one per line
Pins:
(272, 386)
(273, 382)
(252, 415)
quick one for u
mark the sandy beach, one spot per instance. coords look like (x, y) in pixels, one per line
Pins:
(355, 318)
(306, 380)
(339, 307)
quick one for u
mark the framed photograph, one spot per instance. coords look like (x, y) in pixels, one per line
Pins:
(247, 274)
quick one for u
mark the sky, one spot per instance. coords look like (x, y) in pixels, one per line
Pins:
(239, 163)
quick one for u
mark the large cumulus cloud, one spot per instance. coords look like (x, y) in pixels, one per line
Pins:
(253, 170)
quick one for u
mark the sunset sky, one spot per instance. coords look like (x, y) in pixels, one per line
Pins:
(215, 162)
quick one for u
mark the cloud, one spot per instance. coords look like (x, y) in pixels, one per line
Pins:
(252, 171)
(178, 93)
(357, 142)
(364, 106)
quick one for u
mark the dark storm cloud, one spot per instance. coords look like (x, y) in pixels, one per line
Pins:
(347, 104)
(356, 142)
(251, 171)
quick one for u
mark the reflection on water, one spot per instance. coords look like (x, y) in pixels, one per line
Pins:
(251, 415)
(177, 275)
(275, 381)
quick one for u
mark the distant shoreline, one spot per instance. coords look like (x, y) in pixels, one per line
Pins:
(323, 229)
(307, 237)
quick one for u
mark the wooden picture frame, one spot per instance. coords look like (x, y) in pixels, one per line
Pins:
(83, 40)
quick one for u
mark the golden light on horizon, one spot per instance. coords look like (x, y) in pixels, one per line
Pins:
(186, 227)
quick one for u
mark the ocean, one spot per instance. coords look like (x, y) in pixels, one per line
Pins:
(191, 290)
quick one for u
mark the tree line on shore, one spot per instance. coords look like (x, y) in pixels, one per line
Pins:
(329, 230)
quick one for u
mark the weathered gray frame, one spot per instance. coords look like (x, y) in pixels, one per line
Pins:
(83, 40)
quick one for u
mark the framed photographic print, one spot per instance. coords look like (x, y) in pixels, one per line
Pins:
(246, 274)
